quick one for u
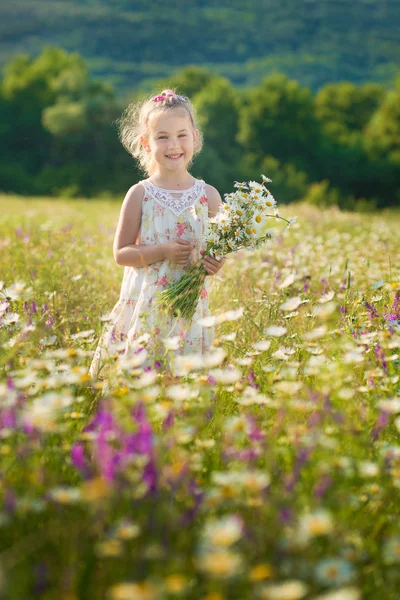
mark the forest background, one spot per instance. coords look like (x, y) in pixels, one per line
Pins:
(306, 92)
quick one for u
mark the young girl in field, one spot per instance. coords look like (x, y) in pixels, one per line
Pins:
(160, 232)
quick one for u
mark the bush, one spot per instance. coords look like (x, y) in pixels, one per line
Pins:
(321, 195)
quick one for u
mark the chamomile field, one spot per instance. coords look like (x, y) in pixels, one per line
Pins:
(268, 469)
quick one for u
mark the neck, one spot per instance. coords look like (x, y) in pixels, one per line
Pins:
(172, 180)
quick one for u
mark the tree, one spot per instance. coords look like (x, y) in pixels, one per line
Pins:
(345, 109)
(29, 86)
(189, 80)
(218, 110)
(383, 130)
(278, 119)
(59, 134)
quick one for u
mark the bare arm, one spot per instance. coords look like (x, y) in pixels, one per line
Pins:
(214, 200)
(127, 252)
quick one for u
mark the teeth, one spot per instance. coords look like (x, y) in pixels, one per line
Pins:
(174, 155)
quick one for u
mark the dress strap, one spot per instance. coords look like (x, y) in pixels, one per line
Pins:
(167, 198)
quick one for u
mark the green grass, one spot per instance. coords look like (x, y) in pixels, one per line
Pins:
(227, 491)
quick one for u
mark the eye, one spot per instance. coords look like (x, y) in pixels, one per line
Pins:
(162, 137)
(182, 135)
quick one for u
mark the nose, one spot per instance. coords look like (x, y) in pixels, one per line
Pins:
(174, 143)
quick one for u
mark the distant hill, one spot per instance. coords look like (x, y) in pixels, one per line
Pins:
(131, 42)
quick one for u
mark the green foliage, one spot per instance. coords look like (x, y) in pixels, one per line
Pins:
(57, 134)
(288, 183)
(321, 194)
(315, 42)
(382, 132)
(278, 118)
(297, 444)
(345, 109)
(218, 106)
(189, 80)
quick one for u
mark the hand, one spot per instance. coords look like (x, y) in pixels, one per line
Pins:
(178, 251)
(212, 265)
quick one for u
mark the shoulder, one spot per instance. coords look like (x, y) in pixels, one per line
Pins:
(133, 197)
(213, 197)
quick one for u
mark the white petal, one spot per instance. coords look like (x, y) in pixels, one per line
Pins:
(291, 303)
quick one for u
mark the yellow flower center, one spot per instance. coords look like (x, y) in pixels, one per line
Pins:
(258, 219)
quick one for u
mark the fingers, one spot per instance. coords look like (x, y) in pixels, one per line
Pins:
(212, 265)
(210, 270)
(212, 261)
(184, 242)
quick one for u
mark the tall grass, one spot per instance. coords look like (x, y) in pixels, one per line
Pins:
(274, 475)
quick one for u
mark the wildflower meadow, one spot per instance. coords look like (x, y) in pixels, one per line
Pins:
(267, 470)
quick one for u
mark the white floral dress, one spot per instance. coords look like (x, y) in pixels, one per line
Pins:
(166, 215)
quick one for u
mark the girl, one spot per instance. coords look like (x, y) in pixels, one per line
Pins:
(160, 232)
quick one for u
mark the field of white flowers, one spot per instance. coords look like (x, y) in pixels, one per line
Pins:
(271, 474)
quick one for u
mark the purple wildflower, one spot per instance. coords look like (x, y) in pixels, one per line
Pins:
(325, 284)
(394, 314)
(285, 514)
(322, 485)
(372, 312)
(197, 495)
(168, 421)
(8, 419)
(10, 501)
(382, 421)
(79, 460)
(380, 355)
(252, 379)
(150, 476)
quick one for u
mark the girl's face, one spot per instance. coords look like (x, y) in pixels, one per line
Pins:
(171, 140)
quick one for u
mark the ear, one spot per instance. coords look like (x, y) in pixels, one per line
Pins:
(145, 143)
(196, 137)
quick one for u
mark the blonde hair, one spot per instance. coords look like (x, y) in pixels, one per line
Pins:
(133, 125)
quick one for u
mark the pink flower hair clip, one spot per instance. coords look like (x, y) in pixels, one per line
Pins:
(167, 93)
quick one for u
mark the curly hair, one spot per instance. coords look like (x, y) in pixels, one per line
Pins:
(133, 126)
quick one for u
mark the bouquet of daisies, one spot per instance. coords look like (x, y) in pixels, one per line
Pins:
(240, 223)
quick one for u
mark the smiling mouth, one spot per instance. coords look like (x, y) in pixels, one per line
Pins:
(174, 156)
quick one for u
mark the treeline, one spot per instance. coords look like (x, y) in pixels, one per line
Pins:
(340, 146)
(313, 41)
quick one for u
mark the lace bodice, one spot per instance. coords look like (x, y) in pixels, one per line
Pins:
(168, 198)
